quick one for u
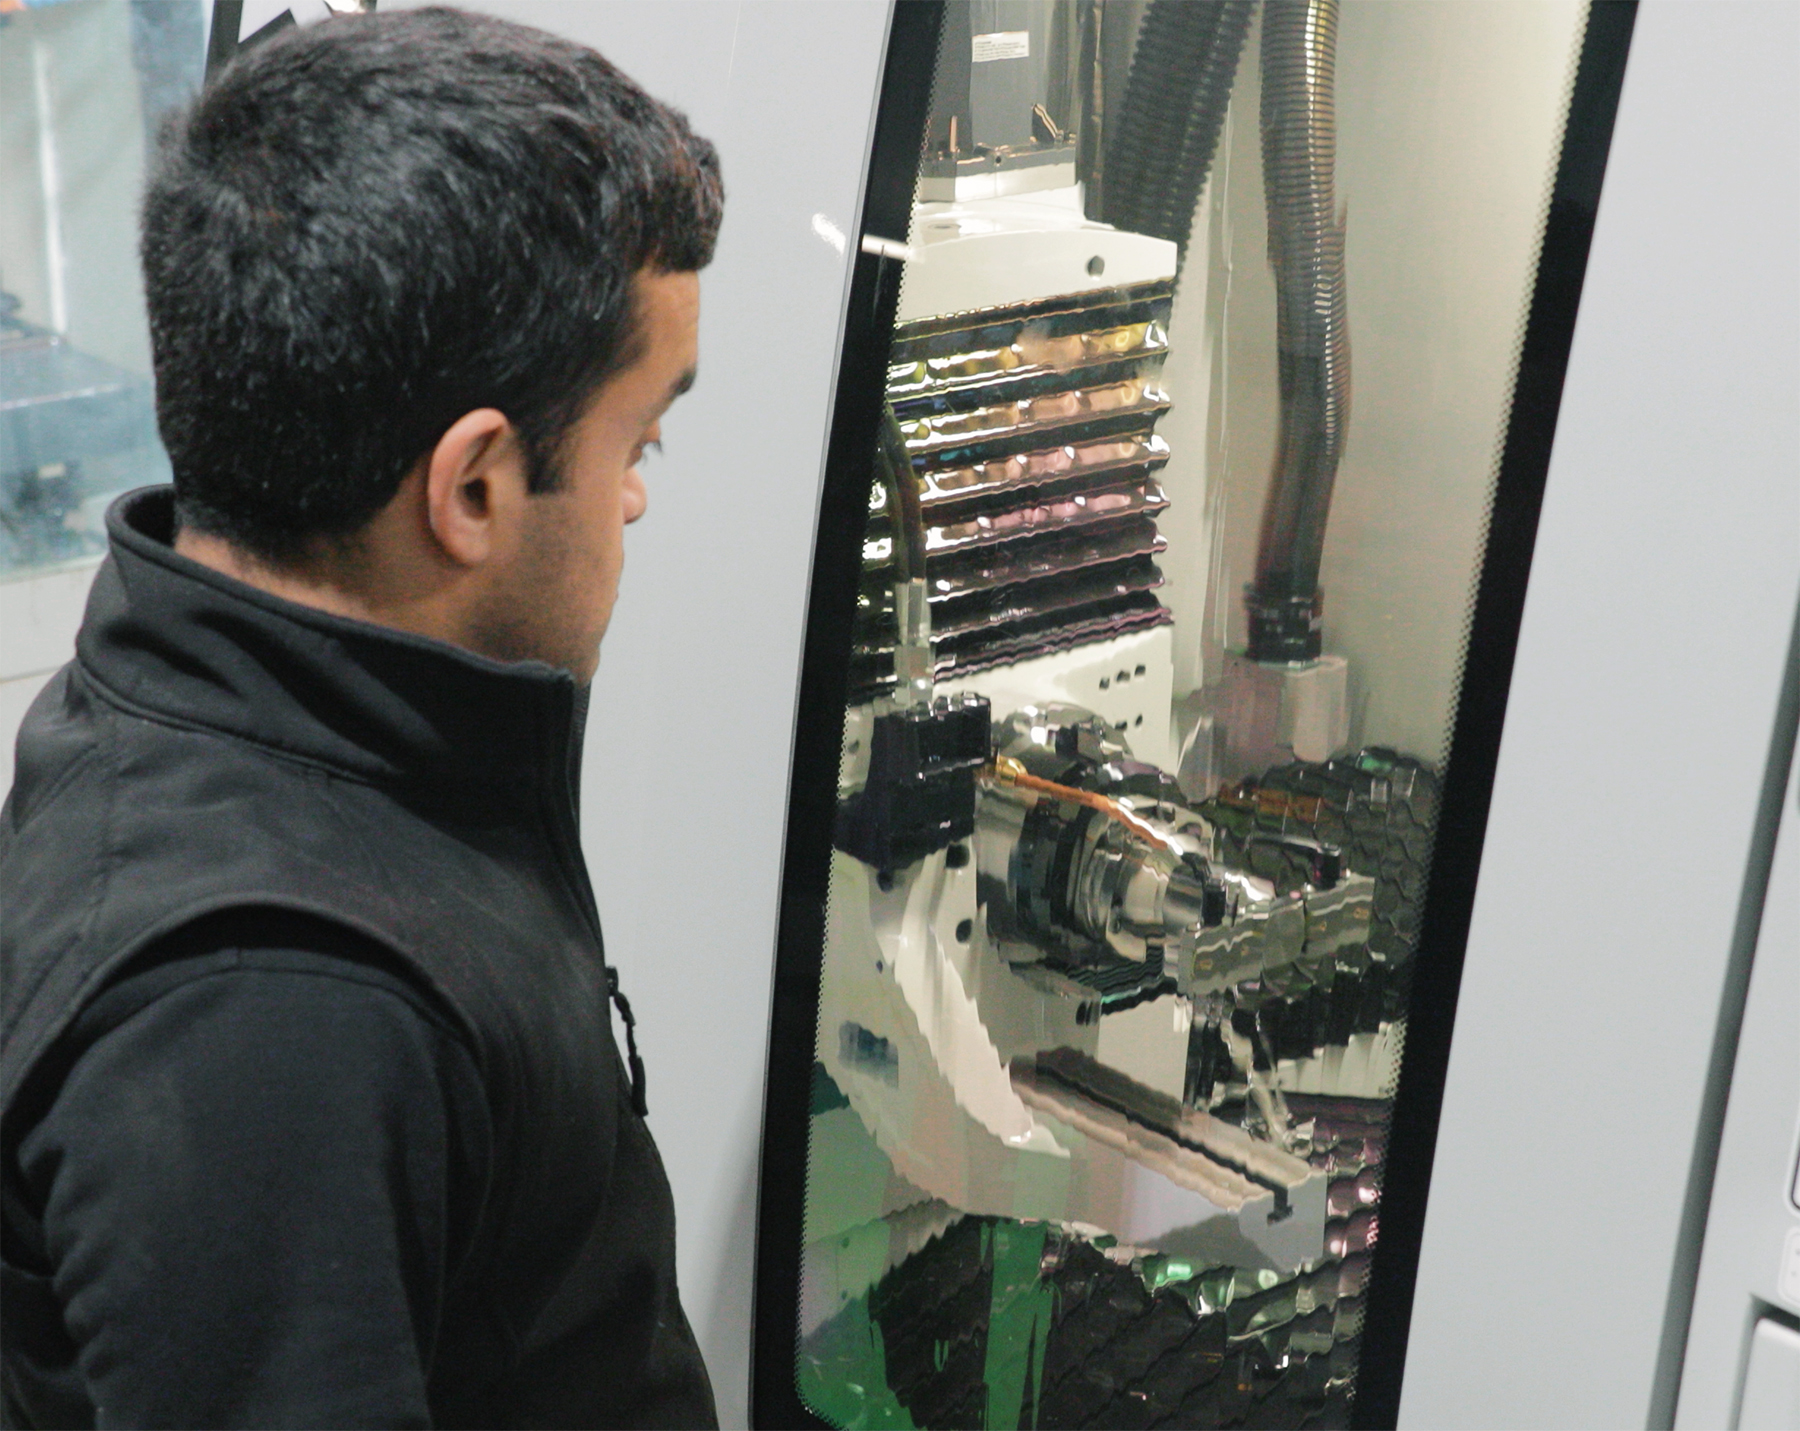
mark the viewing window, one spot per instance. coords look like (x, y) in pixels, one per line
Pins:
(1206, 325)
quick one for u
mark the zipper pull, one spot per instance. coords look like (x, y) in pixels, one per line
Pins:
(639, 1104)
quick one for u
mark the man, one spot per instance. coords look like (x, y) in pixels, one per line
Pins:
(313, 1113)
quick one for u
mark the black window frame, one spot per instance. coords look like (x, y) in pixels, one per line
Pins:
(1469, 770)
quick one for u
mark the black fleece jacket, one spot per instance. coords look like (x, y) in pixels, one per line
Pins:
(312, 1113)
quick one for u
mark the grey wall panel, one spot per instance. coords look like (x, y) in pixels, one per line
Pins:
(1751, 1258)
(1662, 589)
(685, 785)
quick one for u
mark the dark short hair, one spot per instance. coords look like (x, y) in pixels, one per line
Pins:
(367, 227)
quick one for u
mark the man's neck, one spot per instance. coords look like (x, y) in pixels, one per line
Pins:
(310, 583)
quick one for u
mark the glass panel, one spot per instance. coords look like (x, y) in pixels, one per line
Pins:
(83, 86)
(1156, 653)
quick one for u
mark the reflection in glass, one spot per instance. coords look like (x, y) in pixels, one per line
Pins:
(84, 86)
(1134, 827)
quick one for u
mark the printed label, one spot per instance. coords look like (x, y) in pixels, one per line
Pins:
(1002, 45)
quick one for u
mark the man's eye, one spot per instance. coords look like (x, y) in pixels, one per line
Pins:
(642, 450)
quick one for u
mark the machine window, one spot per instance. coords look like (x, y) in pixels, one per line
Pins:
(1171, 516)
(84, 85)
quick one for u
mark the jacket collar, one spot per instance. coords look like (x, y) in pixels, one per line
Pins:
(179, 641)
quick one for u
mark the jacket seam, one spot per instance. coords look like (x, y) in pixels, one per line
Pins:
(349, 975)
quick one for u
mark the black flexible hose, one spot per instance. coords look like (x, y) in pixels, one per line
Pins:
(1167, 133)
(894, 465)
(1306, 249)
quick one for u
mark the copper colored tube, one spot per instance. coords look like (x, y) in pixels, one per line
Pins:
(1008, 771)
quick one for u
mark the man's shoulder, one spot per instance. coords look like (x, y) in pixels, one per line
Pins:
(127, 827)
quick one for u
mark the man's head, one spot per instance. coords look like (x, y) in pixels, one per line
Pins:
(420, 286)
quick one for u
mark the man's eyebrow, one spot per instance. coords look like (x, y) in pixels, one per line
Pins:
(675, 390)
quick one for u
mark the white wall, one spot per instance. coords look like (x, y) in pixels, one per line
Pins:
(1449, 115)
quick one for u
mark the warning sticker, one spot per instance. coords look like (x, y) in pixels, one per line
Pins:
(1002, 45)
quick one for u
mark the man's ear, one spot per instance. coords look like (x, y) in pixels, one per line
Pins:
(475, 487)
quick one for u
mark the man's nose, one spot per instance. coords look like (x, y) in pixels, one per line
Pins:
(636, 498)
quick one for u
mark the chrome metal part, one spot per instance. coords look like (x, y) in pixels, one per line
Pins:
(1089, 858)
(912, 656)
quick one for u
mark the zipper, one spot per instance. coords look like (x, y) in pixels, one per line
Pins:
(566, 842)
(638, 1102)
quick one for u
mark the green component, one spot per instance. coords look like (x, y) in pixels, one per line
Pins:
(860, 1256)
(826, 1095)
(1207, 1290)
(842, 1374)
(847, 1175)
(1019, 1321)
(1159, 1271)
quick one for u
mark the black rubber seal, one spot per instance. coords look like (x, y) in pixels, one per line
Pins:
(824, 686)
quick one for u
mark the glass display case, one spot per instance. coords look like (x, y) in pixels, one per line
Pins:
(84, 85)
(1197, 354)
